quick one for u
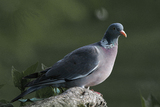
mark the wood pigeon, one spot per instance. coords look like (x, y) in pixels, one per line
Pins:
(84, 67)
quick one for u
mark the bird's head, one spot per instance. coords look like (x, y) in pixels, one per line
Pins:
(113, 32)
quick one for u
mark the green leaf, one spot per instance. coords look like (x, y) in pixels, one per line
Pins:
(44, 93)
(153, 101)
(58, 91)
(30, 69)
(143, 101)
(44, 66)
(30, 100)
(23, 100)
(36, 99)
(4, 103)
(150, 102)
(17, 77)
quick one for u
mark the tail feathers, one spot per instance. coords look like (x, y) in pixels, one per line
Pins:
(36, 82)
(36, 75)
(29, 90)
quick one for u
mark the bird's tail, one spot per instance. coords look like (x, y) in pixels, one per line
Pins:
(29, 90)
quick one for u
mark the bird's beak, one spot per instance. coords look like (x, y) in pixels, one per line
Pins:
(123, 33)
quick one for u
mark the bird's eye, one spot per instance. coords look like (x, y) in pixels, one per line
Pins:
(114, 28)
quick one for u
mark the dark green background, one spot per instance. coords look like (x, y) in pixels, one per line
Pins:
(46, 30)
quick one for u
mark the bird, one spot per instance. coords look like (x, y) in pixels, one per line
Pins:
(84, 67)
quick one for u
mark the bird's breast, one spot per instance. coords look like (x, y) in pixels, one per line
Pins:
(106, 62)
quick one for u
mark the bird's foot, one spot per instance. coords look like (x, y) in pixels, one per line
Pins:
(97, 92)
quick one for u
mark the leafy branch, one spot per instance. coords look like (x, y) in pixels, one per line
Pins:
(20, 83)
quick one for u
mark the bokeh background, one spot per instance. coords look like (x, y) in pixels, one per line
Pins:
(45, 31)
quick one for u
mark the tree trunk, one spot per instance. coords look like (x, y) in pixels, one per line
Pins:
(73, 97)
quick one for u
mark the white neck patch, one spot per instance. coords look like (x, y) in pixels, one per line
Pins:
(105, 44)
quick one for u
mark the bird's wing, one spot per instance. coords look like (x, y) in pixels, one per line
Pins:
(77, 64)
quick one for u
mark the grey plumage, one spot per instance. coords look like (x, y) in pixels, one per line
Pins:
(86, 66)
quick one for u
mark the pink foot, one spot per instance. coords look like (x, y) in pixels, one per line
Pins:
(97, 92)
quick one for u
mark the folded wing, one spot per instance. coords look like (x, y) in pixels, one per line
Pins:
(75, 65)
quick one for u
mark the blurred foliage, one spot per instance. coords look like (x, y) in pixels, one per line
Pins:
(4, 103)
(20, 83)
(44, 92)
(17, 76)
(151, 101)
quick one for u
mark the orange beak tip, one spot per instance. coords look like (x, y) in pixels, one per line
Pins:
(123, 33)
